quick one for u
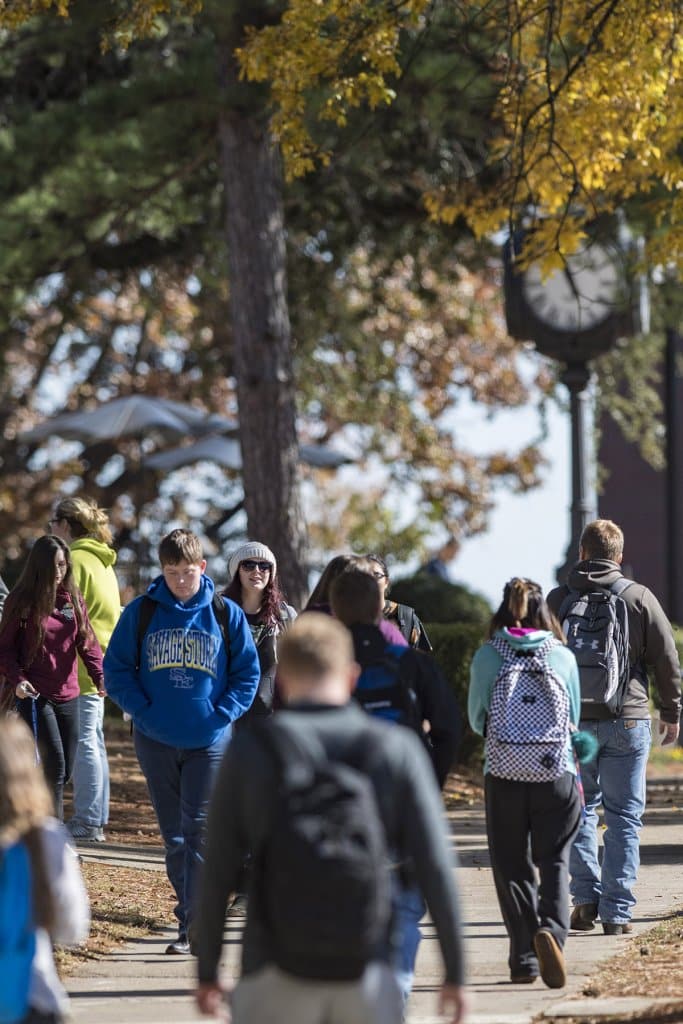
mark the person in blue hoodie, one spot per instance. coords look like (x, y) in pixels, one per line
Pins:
(533, 804)
(183, 686)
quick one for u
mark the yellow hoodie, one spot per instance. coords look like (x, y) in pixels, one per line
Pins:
(94, 574)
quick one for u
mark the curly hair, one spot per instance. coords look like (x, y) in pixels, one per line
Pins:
(25, 803)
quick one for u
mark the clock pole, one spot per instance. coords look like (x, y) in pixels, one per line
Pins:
(576, 377)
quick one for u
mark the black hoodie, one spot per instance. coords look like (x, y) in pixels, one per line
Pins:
(651, 641)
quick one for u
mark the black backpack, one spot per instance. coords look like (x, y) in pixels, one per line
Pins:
(148, 607)
(595, 624)
(323, 874)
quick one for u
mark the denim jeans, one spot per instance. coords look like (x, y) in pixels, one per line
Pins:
(408, 910)
(91, 767)
(616, 778)
(180, 783)
(56, 728)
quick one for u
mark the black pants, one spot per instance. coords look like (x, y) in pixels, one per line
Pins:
(531, 824)
(57, 726)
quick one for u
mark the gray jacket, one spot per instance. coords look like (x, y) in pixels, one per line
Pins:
(242, 804)
(652, 650)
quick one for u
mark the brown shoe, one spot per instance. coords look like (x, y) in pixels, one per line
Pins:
(583, 917)
(550, 959)
(615, 928)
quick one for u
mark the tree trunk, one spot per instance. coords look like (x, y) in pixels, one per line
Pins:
(262, 342)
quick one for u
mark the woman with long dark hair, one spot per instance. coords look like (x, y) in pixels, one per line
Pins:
(44, 628)
(524, 697)
(56, 900)
(254, 586)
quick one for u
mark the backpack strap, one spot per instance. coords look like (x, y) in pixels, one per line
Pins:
(147, 610)
(617, 588)
(148, 607)
(220, 610)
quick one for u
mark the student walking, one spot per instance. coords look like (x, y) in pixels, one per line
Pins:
(85, 528)
(255, 587)
(45, 627)
(402, 616)
(405, 687)
(524, 697)
(182, 664)
(305, 957)
(624, 623)
(42, 896)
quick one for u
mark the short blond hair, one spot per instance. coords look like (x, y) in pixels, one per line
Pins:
(315, 647)
(602, 539)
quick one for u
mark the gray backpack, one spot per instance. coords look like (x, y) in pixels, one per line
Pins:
(595, 624)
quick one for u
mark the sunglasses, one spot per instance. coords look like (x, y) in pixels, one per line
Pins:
(249, 565)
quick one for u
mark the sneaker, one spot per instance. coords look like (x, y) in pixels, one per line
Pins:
(617, 928)
(523, 979)
(181, 947)
(83, 833)
(100, 836)
(550, 959)
(583, 917)
(238, 907)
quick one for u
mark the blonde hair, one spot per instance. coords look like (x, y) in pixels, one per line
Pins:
(602, 539)
(85, 519)
(25, 803)
(314, 647)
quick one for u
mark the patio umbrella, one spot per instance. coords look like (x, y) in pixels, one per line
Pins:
(132, 416)
(225, 451)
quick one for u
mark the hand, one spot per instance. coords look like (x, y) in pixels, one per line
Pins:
(668, 733)
(209, 997)
(25, 689)
(454, 1003)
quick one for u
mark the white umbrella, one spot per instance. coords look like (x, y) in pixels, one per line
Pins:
(225, 451)
(134, 415)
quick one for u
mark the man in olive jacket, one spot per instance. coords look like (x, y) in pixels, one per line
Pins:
(616, 778)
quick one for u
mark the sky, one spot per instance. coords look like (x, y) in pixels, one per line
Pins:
(529, 533)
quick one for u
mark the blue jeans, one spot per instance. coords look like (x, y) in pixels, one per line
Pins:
(91, 767)
(616, 778)
(180, 783)
(408, 909)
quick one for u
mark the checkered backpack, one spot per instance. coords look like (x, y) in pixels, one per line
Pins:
(528, 724)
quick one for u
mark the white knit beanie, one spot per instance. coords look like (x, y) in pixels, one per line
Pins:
(252, 549)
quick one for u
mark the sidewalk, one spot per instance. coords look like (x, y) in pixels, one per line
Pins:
(140, 985)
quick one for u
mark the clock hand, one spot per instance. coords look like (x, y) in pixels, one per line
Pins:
(572, 283)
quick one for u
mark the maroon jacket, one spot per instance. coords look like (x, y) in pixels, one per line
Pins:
(54, 669)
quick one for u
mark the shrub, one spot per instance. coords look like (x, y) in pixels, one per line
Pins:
(454, 647)
(436, 600)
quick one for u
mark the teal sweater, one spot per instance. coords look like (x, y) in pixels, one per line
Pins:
(484, 671)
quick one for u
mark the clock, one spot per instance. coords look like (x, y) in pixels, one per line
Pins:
(578, 296)
(574, 313)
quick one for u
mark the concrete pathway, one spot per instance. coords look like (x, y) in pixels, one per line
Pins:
(140, 985)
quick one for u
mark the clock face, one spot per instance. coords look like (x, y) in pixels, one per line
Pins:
(578, 296)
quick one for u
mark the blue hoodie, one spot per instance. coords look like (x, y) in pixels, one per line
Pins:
(181, 695)
(484, 672)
